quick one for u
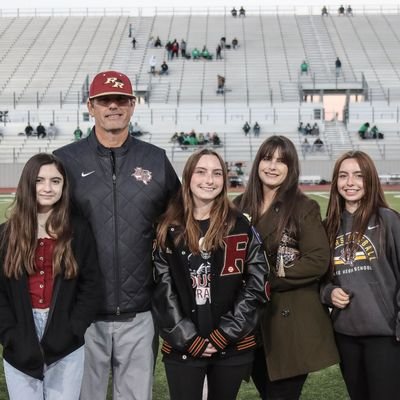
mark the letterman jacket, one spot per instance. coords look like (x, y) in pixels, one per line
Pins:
(73, 308)
(121, 191)
(238, 278)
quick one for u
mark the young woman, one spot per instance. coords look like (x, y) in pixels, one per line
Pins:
(364, 290)
(210, 276)
(296, 330)
(48, 286)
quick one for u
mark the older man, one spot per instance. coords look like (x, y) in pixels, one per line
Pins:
(121, 185)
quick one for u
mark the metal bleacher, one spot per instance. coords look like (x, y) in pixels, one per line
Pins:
(45, 62)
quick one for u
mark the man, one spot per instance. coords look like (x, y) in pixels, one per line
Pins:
(164, 68)
(304, 68)
(338, 66)
(41, 131)
(121, 185)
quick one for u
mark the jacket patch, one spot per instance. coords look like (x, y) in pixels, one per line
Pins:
(235, 254)
(142, 175)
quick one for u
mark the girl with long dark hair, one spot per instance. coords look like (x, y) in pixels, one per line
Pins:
(364, 289)
(296, 330)
(210, 276)
(48, 286)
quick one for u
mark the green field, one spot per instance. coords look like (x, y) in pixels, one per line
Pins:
(322, 385)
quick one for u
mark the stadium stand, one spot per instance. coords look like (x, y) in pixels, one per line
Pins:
(46, 62)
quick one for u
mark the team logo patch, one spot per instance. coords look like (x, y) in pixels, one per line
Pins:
(142, 175)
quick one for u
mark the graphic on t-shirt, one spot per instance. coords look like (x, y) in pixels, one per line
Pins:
(200, 267)
(349, 259)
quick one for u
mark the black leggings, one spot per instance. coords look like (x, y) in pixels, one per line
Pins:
(223, 381)
(370, 366)
(283, 389)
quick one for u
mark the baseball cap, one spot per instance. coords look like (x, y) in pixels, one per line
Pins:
(110, 82)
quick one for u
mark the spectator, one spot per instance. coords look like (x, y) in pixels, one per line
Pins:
(133, 43)
(315, 130)
(130, 30)
(195, 54)
(78, 133)
(216, 141)
(349, 11)
(175, 49)
(220, 84)
(300, 128)
(218, 52)
(51, 131)
(235, 43)
(29, 130)
(324, 11)
(153, 63)
(308, 129)
(341, 10)
(234, 12)
(201, 139)
(164, 68)
(246, 128)
(41, 131)
(223, 42)
(134, 129)
(191, 139)
(318, 145)
(157, 42)
(305, 146)
(375, 133)
(304, 68)
(338, 66)
(256, 129)
(205, 54)
(363, 131)
(183, 48)
(168, 47)
(242, 12)
(122, 185)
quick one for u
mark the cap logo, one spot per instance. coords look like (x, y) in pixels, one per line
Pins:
(117, 83)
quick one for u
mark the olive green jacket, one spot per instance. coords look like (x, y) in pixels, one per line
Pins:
(296, 328)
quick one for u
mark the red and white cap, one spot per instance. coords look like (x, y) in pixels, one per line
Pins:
(110, 83)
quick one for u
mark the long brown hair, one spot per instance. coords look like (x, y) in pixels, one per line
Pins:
(372, 200)
(288, 194)
(181, 208)
(20, 233)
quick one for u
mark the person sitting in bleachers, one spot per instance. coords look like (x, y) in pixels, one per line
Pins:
(164, 68)
(375, 133)
(341, 10)
(256, 129)
(234, 12)
(191, 139)
(220, 84)
(324, 11)
(318, 145)
(242, 12)
(349, 11)
(51, 131)
(235, 43)
(363, 131)
(41, 131)
(157, 42)
(78, 134)
(308, 129)
(315, 130)
(300, 128)
(305, 146)
(29, 130)
(216, 141)
(304, 68)
(201, 139)
(195, 54)
(205, 53)
(246, 128)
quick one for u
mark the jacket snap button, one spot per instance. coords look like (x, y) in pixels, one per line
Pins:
(183, 252)
(285, 313)
(184, 357)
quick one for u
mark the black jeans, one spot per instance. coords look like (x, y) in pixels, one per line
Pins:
(185, 382)
(283, 389)
(370, 366)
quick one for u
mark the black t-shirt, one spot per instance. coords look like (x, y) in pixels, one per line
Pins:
(200, 273)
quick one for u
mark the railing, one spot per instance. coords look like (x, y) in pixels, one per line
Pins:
(150, 11)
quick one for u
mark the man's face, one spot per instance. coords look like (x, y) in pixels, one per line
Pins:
(111, 113)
